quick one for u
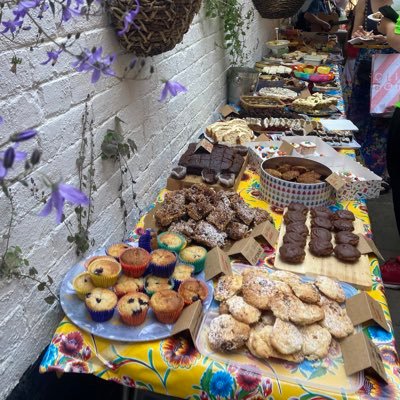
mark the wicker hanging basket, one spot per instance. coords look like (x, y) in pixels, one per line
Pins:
(274, 9)
(161, 23)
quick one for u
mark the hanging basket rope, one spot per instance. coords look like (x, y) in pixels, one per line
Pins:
(274, 9)
(161, 24)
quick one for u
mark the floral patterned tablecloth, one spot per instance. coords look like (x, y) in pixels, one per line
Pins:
(174, 367)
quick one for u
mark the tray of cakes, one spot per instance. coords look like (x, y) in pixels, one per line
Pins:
(282, 325)
(129, 294)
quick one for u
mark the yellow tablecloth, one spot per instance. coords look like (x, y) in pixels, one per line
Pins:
(174, 367)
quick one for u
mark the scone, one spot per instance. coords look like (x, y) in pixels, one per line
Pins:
(227, 334)
(242, 311)
(330, 288)
(227, 286)
(336, 320)
(316, 341)
(286, 338)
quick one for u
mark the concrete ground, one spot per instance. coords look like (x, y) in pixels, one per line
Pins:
(387, 240)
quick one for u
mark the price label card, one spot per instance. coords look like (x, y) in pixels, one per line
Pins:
(265, 232)
(204, 145)
(367, 245)
(286, 147)
(217, 262)
(335, 181)
(248, 249)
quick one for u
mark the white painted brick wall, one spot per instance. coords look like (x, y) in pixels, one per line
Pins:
(52, 100)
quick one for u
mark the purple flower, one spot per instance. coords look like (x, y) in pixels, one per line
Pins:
(129, 17)
(92, 60)
(30, 3)
(9, 157)
(1, 119)
(5, 158)
(173, 88)
(61, 192)
(11, 26)
(52, 56)
(68, 12)
(25, 135)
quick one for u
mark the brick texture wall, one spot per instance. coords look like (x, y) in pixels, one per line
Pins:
(51, 99)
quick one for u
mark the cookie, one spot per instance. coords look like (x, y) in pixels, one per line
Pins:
(345, 237)
(294, 216)
(307, 314)
(223, 308)
(321, 222)
(330, 288)
(298, 207)
(316, 341)
(294, 238)
(227, 286)
(320, 248)
(274, 173)
(285, 276)
(344, 214)
(259, 344)
(323, 212)
(258, 290)
(227, 334)
(292, 253)
(347, 253)
(336, 320)
(343, 225)
(283, 305)
(242, 311)
(290, 175)
(298, 227)
(321, 234)
(286, 338)
(306, 292)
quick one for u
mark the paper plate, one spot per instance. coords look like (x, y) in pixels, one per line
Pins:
(114, 329)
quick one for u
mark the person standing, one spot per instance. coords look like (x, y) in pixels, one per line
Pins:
(373, 131)
(309, 19)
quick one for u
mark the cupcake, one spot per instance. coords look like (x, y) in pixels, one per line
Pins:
(104, 273)
(192, 290)
(101, 304)
(171, 241)
(154, 284)
(134, 261)
(167, 306)
(115, 250)
(91, 259)
(127, 284)
(181, 273)
(307, 148)
(133, 308)
(82, 285)
(194, 255)
(145, 240)
(162, 263)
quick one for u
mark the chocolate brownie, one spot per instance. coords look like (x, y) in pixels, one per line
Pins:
(344, 214)
(199, 210)
(244, 212)
(220, 218)
(347, 253)
(343, 225)
(320, 248)
(321, 222)
(294, 216)
(261, 216)
(208, 235)
(169, 213)
(321, 234)
(298, 227)
(236, 230)
(292, 253)
(345, 237)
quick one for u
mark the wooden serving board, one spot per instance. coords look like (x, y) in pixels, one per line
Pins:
(357, 274)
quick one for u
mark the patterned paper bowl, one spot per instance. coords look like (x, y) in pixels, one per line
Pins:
(281, 193)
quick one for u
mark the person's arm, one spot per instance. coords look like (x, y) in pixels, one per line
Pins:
(313, 19)
(387, 27)
(358, 17)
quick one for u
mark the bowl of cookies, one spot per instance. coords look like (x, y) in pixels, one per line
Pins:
(288, 179)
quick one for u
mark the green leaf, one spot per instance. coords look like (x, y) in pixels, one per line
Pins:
(206, 379)
(132, 145)
(32, 271)
(70, 239)
(41, 286)
(26, 262)
(50, 299)
(50, 279)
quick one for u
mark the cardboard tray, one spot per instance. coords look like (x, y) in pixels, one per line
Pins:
(189, 180)
(357, 274)
(368, 189)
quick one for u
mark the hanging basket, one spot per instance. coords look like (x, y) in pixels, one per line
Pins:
(161, 23)
(274, 9)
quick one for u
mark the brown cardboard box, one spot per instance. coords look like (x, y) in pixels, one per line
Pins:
(190, 320)
(247, 249)
(217, 262)
(359, 353)
(227, 110)
(366, 246)
(363, 309)
(149, 220)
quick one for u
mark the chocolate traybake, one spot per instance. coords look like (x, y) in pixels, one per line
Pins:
(222, 159)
